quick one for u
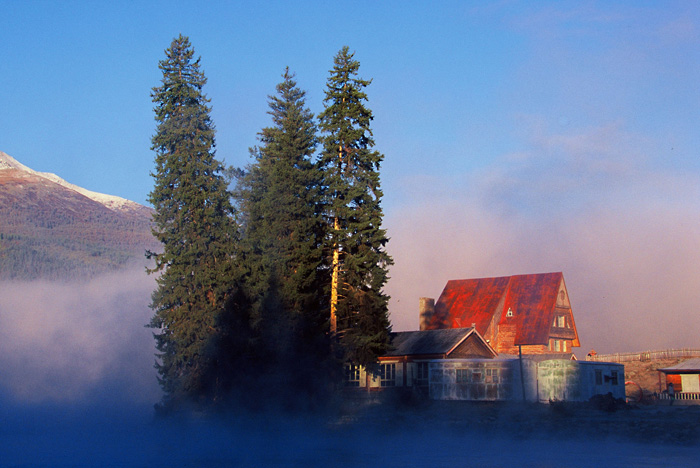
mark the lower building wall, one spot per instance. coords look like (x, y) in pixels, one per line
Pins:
(559, 380)
(565, 380)
(481, 380)
(500, 380)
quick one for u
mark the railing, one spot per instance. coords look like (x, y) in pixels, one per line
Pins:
(646, 355)
(681, 396)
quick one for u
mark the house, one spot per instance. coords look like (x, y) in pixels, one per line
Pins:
(493, 339)
(522, 313)
(685, 378)
(406, 364)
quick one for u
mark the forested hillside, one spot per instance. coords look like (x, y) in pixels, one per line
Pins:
(49, 231)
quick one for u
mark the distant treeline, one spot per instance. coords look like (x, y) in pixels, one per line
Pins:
(68, 249)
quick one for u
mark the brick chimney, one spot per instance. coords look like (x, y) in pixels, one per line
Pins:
(426, 309)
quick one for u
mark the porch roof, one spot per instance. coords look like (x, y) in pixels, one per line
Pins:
(691, 366)
(427, 342)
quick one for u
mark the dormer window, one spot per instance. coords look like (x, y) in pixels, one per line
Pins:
(509, 313)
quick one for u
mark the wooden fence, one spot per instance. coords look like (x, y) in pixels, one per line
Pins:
(646, 355)
(683, 396)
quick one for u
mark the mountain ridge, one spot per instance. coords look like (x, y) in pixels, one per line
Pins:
(52, 229)
(112, 202)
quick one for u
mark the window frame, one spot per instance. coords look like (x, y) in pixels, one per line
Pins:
(387, 374)
(422, 371)
(352, 375)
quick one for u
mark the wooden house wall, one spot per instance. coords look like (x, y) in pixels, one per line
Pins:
(675, 379)
(684, 382)
(493, 333)
(563, 297)
(690, 383)
(506, 339)
(526, 349)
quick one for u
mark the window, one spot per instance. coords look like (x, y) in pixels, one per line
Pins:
(491, 375)
(387, 375)
(561, 321)
(563, 345)
(477, 376)
(613, 378)
(422, 371)
(352, 375)
(509, 313)
(462, 375)
(598, 377)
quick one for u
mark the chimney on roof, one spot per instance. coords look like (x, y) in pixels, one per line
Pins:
(426, 309)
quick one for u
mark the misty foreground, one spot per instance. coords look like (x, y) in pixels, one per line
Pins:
(360, 433)
(77, 389)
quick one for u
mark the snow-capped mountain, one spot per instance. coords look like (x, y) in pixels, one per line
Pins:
(52, 229)
(110, 201)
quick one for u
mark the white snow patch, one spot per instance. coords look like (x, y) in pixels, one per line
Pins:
(112, 202)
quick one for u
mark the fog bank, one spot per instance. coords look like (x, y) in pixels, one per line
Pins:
(80, 343)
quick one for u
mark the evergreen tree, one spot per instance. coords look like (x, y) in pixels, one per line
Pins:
(283, 240)
(360, 263)
(194, 222)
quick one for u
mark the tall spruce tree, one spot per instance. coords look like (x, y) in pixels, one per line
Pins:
(358, 309)
(283, 238)
(194, 222)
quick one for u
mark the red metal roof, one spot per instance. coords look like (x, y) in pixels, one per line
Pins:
(470, 301)
(531, 298)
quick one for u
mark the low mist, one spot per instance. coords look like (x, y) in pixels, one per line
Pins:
(79, 343)
(78, 388)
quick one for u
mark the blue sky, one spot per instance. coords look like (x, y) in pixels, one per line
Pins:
(519, 137)
(456, 86)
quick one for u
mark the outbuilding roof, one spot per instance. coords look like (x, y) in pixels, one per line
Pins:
(691, 366)
(428, 342)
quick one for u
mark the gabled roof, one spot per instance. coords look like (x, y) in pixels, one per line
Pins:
(531, 298)
(691, 366)
(469, 301)
(429, 342)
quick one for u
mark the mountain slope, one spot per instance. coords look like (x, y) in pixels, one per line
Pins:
(52, 229)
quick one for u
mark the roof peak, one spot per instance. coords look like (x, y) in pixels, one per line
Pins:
(510, 276)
